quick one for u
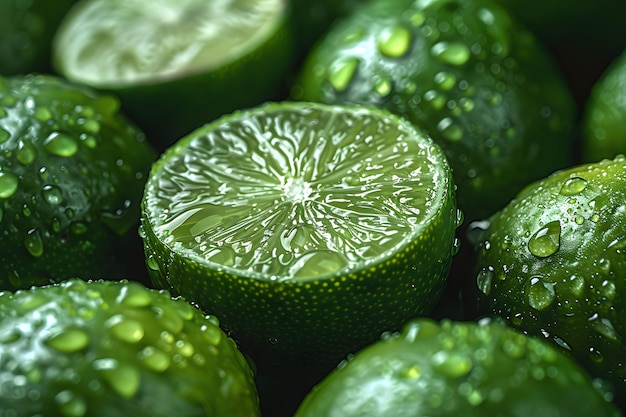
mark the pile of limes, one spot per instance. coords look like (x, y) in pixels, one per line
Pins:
(285, 208)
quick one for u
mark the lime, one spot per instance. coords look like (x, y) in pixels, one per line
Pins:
(604, 124)
(481, 85)
(552, 263)
(26, 29)
(72, 172)
(117, 348)
(447, 368)
(177, 64)
(307, 228)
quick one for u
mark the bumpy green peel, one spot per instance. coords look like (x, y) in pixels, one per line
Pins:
(451, 369)
(72, 170)
(117, 349)
(481, 85)
(552, 263)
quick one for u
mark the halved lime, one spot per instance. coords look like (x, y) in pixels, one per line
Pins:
(177, 64)
(116, 348)
(307, 228)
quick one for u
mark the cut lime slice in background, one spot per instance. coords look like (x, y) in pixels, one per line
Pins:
(117, 348)
(176, 64)
(308, 229)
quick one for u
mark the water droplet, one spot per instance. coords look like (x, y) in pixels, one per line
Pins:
(595, 355)
(134, 295)
(154, 359)
(573, 186)
(69, 340)
(124, 379)
(540, 293)
(90, 125)
(395, 42)
(484, 280)
(412, 372)
(453, 53)
(608, 290)
(604, 326)
(437, 101)
(212, 334)
(185, 348)
(152, 263)
(70, 405)
(576, 284)
(78, 228)
(8, 184)
(125, 329)
(417, 19)
(445, 80)
(43, 114)
(341, 74)
(26, 153)
(452, 365)
(33, 243)
(546, 241)
(382, 86)
(4, 135)
(60, 144)
(52, 194)
(449, 129)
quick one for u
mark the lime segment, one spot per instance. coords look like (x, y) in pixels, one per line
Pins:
(289, 202)
(307, 228)
(129, 42)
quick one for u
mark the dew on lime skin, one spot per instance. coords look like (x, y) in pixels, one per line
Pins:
(34, 243)
(60, 144)
(154, 359)
(539, 293)
(70, 405)
(4, 135)
(453, 53)
(69, 340)
(395, 41)
(342, 73)
(25, 153)
(8, 184)
(52, 194)
(573, 186)
(546, 241)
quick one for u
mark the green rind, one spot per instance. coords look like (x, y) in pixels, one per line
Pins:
(109, 348)
(604, 124)
(313, 321)
(480, 84)
(575, 295)
(456, 368)
(73, 211)
(167, 110)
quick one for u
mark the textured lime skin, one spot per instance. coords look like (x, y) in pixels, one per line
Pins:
(167, 109)
(314, 320)
(26, 30)
(552, 263)
(117, 348)
(604, 124)
(452, 368)
(481, 85)
(72, 170)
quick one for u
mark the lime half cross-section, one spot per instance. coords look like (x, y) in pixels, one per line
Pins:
(308, 229)
(176, 64)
